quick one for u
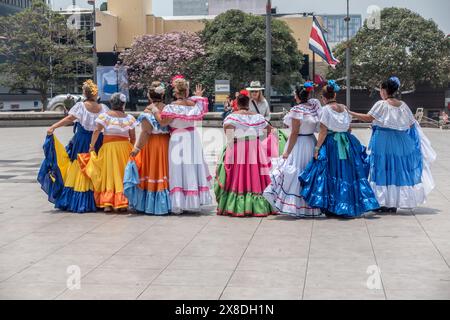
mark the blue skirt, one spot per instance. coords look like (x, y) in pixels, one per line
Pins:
(396, 167)
(338, 181)
(67, 187)
(396, 158)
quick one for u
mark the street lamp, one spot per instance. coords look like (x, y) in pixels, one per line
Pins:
(94, 39)
(269, 51)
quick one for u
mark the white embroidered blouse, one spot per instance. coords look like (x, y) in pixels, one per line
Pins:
(114, 126)
(335, 121)
(246, 125)
(308, 114)
(389, 116)
(85, 117)
(185, 116)
(156, 127)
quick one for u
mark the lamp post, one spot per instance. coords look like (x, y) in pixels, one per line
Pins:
(348, 56)
(94, 40)
(269, 51)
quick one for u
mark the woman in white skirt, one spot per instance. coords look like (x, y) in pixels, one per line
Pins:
(284, 191)
(189, 177)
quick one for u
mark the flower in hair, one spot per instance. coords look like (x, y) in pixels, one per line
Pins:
(396, 80)
(178, 76)
(309, 86)
(123, 98)
(334, 85)
(92, 87)
(161, 89)
(244, 93)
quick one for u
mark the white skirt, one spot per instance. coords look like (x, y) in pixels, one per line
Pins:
(284, 191)
(189, 177)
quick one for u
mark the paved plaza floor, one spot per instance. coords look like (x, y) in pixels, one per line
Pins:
(204, 256)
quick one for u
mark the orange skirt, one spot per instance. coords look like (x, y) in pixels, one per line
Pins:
(153, 164)
(148, 192)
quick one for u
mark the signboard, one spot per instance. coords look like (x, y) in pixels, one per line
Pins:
(222, 90)
(111, 80)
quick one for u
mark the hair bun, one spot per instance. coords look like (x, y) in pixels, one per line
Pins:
(394, 82)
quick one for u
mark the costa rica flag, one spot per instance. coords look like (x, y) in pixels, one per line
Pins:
(319, 45)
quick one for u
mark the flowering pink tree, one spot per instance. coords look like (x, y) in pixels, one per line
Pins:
(159, 57)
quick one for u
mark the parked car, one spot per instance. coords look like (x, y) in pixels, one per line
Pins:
(64, 102)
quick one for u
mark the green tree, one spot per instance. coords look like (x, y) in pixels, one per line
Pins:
(235, 46)
(407, 45)
(39, 48)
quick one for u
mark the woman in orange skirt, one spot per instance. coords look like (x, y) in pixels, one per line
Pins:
(146, 181)
(107, 169)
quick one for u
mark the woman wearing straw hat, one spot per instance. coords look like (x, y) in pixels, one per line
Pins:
(258, 103)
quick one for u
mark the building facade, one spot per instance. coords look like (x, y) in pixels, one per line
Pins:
(13, 6)
(190, 7)
(337, 27)
(216, 7)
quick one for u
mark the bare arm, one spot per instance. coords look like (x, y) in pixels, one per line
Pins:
(143, 138)
(64, 122)
(322, 136)
(295, 130)
(94, 138)
(229, 133)
(361, 116)
(133, 136)
(157, 114)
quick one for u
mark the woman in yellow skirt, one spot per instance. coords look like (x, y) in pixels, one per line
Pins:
(107, 169)
(146, 179)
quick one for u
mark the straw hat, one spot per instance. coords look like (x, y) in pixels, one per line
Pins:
(255, 86)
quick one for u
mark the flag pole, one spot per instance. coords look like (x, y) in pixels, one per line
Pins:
(314, 65)
(348, 57)
(268, 91)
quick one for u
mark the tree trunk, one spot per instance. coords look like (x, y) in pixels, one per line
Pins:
(44, 101)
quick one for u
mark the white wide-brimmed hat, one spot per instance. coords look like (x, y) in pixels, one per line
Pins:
(255, 86)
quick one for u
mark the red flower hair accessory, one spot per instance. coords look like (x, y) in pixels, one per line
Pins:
(244, 93)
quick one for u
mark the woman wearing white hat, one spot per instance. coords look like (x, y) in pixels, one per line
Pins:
(258, 103)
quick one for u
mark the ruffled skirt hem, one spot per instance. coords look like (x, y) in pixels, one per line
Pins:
(77, 202)
(408, 197)
(243, 205)
(181, 201)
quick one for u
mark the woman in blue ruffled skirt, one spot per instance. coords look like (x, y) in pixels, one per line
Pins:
(401, 155)
(336, 181)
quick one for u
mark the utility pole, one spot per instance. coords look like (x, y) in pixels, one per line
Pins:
(348, 56)
(269, 51)
(94, 38)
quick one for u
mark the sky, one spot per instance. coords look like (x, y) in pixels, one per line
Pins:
(438, 10)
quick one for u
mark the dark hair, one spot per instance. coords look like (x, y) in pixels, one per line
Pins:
(390, 86)
(302, 93)
(243, 101)
(329, 92)
(152, 94)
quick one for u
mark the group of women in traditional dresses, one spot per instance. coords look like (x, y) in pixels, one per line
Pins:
(116, 175)
(166, 172)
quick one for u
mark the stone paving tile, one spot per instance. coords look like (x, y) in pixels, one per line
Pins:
(155, 292)
(343, 294)
(204, 256)
(30, 290)
(267, 293)
(102, 292)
